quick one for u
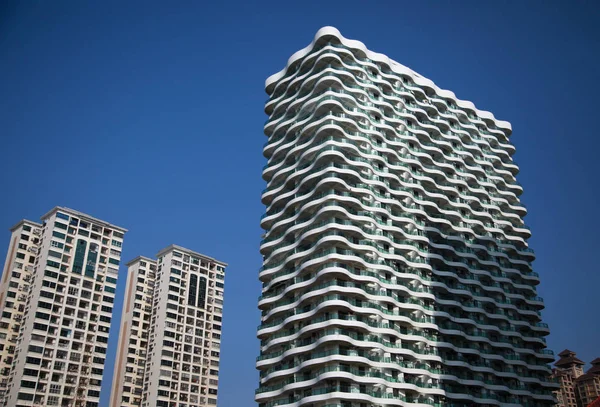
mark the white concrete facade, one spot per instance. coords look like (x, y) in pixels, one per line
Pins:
(396, 267)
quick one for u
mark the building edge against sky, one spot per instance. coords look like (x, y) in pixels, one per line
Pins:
(16, 276)
(169, 342)
(396, 264)
(62, 276)
(138, 297)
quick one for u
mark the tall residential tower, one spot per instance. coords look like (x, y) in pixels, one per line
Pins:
(59, 287)
(16, 277)
(169, 343)
(396, 267)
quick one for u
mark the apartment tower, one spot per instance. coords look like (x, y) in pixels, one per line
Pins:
(169, 344)
(130, 363)
(16, 276)
(396, 266)
(577, 389)
(57, 296)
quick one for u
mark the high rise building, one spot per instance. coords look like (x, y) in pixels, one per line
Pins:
(61, 275)
(169, 343)
(577, 389)
(128, 377)
(16, 277)
(396, 267)
(568, 368)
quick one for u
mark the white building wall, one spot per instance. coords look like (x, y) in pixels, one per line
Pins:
(396, 266)
(62, 345)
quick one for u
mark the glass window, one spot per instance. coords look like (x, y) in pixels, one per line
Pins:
(58, 235)
(79, 256)
(52, 253)
(25, 396)
(53, 263)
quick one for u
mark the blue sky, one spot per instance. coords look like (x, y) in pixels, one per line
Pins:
(150, 115)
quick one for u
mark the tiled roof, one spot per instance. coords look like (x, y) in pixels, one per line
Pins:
(586, 376)
(568, 361)
(595, 403)
(567, 358)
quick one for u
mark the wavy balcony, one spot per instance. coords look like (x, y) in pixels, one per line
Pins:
(396, 269)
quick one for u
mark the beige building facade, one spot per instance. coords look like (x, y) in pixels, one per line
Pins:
(16, 278)
(577, 389)
(64, 306)
(169, 346)
(133, 337)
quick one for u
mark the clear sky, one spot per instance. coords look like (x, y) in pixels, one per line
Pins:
(150, 114)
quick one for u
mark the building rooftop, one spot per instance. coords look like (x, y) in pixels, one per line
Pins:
(190, 252)
(84, 216)
(23, 222)
(595, 369)
(332, 32)
(568, 358)
(585, 377)
(138, 258)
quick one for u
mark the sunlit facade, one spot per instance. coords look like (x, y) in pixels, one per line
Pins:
(69, 291)
(396, 266)
(170, 338)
